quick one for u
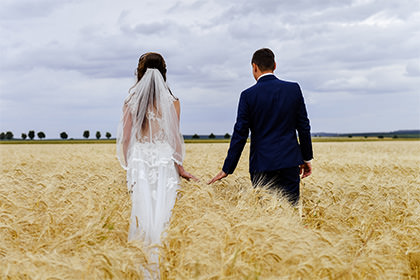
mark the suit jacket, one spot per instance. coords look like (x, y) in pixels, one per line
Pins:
(273, 110)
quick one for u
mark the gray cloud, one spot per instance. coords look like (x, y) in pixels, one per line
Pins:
(28, 9)
(413, 68)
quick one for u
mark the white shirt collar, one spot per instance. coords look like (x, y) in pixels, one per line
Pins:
(266, 74)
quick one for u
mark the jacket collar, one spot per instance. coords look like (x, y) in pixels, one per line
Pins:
(266, 78)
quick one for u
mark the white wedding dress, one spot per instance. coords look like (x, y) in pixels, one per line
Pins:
(149, 144)
(153, 182)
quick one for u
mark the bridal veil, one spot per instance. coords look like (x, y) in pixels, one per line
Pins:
(149, 116)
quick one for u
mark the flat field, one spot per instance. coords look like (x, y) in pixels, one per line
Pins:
(64, 212)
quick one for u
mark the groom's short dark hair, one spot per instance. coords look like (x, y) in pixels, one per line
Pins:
(264, 59)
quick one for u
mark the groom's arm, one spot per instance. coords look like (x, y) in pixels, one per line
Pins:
(304, 129)
(239, 136)
(238, 140)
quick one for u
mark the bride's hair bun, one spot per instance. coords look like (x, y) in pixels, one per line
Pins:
(151, 60)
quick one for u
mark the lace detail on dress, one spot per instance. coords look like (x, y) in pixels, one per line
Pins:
(153, 131)
(152, 116)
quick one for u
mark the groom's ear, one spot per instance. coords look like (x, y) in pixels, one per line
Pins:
(275, 65)
(255, 71)
(254, 68)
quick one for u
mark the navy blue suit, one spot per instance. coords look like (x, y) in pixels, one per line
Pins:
(273, 110)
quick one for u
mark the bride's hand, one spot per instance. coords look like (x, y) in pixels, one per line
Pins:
(186, 175)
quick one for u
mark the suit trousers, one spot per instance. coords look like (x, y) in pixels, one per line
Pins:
(285, 180)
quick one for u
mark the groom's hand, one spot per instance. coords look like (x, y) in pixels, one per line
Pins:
(306, 169)
(219, 176)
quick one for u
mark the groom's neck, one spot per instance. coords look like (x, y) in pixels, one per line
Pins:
(265, 73)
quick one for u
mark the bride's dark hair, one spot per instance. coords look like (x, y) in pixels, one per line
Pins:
(154, 61)
(151, 60)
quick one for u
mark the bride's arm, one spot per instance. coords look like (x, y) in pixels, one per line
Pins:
(177, 106)
(128, 122)
(176, 133)
(181, 171)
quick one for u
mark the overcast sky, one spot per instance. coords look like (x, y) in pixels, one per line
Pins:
(66, 65)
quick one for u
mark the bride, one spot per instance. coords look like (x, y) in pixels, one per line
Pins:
(150, 148)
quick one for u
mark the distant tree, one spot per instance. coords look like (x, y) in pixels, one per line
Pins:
(31, 134)
(381, 137)
(395, 136)
(98, 135)
(212, 136)
(350, 136)
(2, 136)
(108, 135)
(9, 135)
(86, 134)
(24, 136)
(227, 136)
(195, 136)
(366, 136)
(63, 135)
(41, 135)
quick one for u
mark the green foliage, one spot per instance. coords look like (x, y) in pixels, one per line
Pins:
(41, 135)
(108, 135)
(212, 136)
(381, 137)
(31, 134)
(98, 135)
(227, 136)
(23, 135)
(9, 135)
(86, 134)
(2, 136)
(60, 141)
(195, 136)
(63, 135)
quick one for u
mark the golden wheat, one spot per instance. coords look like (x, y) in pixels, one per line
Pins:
(64, 212)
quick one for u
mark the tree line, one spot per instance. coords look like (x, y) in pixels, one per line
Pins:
(41, 135)
(86, 134)
(211, 136)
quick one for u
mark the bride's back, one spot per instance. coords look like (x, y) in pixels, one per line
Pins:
(149, 114)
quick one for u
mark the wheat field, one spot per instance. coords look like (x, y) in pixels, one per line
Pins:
(64, 212)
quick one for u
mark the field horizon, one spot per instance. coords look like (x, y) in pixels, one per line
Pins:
(200, 140)
(396, 134)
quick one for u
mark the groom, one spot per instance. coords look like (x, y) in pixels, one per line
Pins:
(273, 110)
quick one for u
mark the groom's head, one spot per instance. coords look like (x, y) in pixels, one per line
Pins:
(263, 62)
